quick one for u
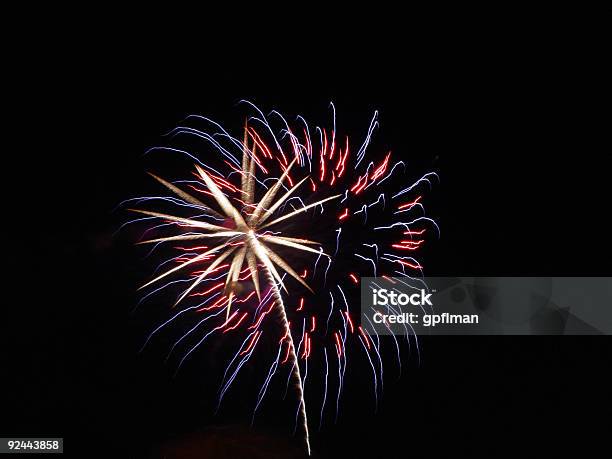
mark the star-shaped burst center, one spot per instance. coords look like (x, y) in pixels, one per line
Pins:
(247, 241)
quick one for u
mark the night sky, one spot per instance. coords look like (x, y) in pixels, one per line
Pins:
(523, 192)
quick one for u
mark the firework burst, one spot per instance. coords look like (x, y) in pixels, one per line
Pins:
(246, 228)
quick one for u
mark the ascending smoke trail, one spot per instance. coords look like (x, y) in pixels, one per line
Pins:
(295, 371)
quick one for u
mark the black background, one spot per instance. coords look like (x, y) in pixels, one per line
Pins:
(517, 139)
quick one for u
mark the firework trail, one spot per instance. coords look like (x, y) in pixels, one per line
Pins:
(243, 220)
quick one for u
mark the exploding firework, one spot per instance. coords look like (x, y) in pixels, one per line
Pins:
(277, 226)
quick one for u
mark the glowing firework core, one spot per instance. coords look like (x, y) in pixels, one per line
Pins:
(245, 242)
(244, 229)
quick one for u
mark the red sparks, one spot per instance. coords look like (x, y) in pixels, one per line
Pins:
(381, 169)
(338, 344)
(200, 190)
(342, 159)
(212, 289)
(246, 298)
(262, 146)
(245, 273)
(260, 143)
(234, 168)
(344, 215)
(408, 245)
(301, 304)
(296, 150)
(217, 269)
(200, 247)
(322, 162)
(287, 354)
(261, 317)
(354, 278)
(409, 204)
(410, 265)
(217, 304)
(333, 146)
(286, 334)
(350, 321)
(414, 232)
(237, 323)
(284, 158)
(308, 144)
(245, 204)
(364, 180)
(314, 324)
(328, 151)
(419, 242)
(184, 259)
(229, 319)
(222, 183)
(367, 340)
(358, 186)
(324, 152)
(308, 347)
(254, 339)
(306, 340)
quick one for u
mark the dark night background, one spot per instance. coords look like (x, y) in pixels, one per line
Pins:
(516, 138)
